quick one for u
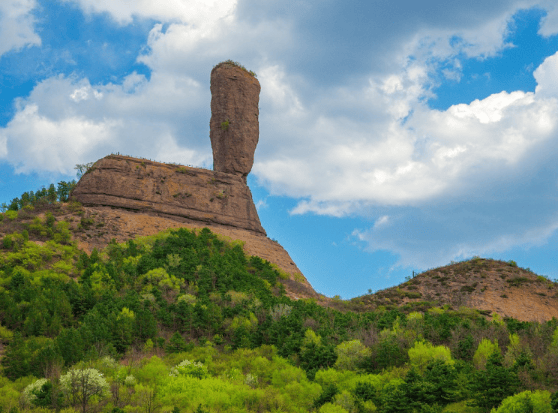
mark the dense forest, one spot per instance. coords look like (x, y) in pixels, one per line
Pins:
(185, 322)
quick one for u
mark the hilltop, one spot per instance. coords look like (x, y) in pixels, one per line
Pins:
(486, 285)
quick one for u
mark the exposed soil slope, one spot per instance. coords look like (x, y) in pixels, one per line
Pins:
(487, 285)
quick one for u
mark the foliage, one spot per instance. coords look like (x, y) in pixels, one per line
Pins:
(189, 368)
(485, 349)
(494, 384)
(423, 353)
(185, 321)
(350, 355)
(526, 402)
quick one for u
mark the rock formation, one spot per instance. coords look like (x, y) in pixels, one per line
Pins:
(189, 194)
(131, 197)
(234, 126)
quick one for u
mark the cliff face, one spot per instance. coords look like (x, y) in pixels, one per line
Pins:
(189, 194)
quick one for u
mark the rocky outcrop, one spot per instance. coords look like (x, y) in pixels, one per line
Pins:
(191, 194)
(234, 126)
(131, 197)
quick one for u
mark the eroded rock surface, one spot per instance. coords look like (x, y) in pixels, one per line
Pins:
(234, 125)
(191, 194)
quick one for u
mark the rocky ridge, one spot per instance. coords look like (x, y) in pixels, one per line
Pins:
(180, 192)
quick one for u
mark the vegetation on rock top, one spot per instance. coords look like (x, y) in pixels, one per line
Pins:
(236, 64)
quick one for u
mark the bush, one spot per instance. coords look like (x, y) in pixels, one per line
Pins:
(190, 368)
(29, 393)
(351, 355)
(485, 349)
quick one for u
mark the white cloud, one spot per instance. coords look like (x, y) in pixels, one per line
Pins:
(66, 121)
(261, 204)
(3, 146)
(383, 220)
(545, 75)
(37, 142)
(16, 25)
(549, 24)
(378, 159)
(195, 12)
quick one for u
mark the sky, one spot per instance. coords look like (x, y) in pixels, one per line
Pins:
(395, 135)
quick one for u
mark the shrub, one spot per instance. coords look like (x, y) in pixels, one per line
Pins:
(29, 393)
(526, 402)
(280, 310)
(190, 368)
(351, 355)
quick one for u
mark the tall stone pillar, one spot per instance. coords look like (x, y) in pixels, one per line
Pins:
(234, 126)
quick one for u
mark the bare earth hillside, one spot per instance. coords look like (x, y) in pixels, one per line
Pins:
(487, 285)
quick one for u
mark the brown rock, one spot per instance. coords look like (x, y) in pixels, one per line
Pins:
(194, 194)
(234, 126)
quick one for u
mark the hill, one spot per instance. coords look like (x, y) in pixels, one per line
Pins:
(487, 285)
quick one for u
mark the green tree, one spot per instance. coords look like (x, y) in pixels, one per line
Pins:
(494, 384)
(351, 355)
(423, 352)
(527, 402)
(176, 343)
(82, 169)
(485, 349)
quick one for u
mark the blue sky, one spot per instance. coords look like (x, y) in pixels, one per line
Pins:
(395, 136)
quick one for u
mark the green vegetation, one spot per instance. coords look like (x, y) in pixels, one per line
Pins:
(41, 197)
(233, 63)
(185, 322)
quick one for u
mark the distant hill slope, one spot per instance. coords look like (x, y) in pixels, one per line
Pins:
(487, 285)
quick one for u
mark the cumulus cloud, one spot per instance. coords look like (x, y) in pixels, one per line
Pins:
(453, 183)
(67, 121)
(195, 12)
(16, 25)
(549, 24)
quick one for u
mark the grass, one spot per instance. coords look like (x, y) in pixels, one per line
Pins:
(236, 64)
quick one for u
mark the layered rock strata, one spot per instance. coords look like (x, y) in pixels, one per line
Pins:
(169, 190)
(234, 125)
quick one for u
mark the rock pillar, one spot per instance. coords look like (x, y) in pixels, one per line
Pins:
(234, 126)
